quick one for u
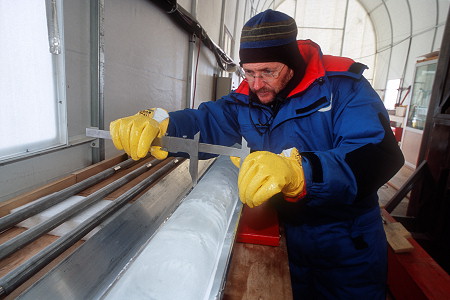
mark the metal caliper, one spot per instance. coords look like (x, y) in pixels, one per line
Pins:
(190, 146)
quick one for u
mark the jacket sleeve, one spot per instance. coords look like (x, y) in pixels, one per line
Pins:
(365, 154)
(215, 120)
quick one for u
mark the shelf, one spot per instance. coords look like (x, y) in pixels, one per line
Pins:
(397, 119)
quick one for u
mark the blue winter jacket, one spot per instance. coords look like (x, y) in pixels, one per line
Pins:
(333, 117)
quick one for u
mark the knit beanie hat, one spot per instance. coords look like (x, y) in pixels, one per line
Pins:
(270, 36)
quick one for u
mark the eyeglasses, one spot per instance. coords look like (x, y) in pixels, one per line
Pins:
(266, 75)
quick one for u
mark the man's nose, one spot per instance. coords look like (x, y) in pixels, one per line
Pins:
(258, 83)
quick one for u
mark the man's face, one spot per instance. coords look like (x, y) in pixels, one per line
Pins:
(266, 80)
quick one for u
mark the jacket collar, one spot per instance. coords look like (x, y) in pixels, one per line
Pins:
(317, 65)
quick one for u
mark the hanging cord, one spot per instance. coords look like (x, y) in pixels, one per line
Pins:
(261, 127)
(196, 71)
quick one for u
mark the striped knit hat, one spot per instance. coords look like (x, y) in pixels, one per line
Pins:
(270, 36)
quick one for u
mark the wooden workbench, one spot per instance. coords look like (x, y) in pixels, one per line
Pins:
(259, 267)
(258, 272)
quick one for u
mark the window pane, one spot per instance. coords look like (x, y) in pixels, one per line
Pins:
(421, 93)
(29, 109)
(390, 97)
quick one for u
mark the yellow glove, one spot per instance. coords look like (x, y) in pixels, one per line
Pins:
(236, 161)
(264, 174)
(135, 134)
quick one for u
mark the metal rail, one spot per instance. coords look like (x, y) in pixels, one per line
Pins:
(13, 279)
(48, 201)
(35, 232)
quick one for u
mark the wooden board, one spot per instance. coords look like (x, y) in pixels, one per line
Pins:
(19, 257)
(258, 272)
(7, 206)
(97, 168)
(57, 185)
(397, 237)
(119, 174)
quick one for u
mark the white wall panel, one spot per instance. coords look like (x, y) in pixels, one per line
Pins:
(205, 79)
(145, 59)
(398, 60)
(321, 14)
(186, 4)
(240, 21)
(146, 56)
(420, 9)
(370, 5)
(421, 44)
(209, 14)
(382, 27)
(443, 9)
(288, 7)
(230, 14)
(359, 38)
(438, 38)
(77, 43)
(400, 18)
(329, 40)
(381, 71)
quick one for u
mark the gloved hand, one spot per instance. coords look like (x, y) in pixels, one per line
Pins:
(264, 174)
(136, 133)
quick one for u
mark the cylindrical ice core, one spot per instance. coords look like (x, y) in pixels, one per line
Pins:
(180, 261)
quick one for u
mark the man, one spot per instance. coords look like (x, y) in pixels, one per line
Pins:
(323, 146)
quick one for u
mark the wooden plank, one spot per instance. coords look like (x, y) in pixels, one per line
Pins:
(138, 179)
(120, 174)
(22, 255)
(258, 272)
(415, 275)
(57, 185)
(19, 257)
(97, 168)
(5, 207)
(399, 229)
(397, 237)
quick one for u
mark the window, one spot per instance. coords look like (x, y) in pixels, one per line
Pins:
(228, 45)
(421, 93)
(391, 94)
(32, 83)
